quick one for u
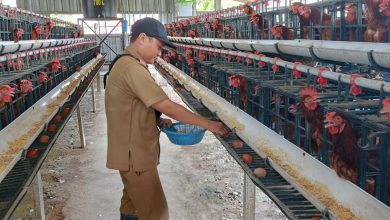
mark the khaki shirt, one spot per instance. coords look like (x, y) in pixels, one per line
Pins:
(133, 137)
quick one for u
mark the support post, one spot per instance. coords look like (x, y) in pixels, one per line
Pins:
(81, 128)
(249, 198)
(93, 97)
(39, 204)
(98, 82)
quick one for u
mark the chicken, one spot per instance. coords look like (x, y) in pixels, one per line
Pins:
(309, 106)
(208, 26)
(36, 31)
(172, 57)
(193, 33)
(238, 81)
(350, 10)
(281, 112)
(78, 32)
(376, 30)
(261, 23)
(6, 94)
(282, 32)
(386, 107)
(313, 14)
(49, 27)
(194, 20)
(304, 23)
(189, 53)
(166, 59)
(345, 150)
(202, 55)
(218, 27)
(186, 22)
(18, 33)
(191, 62)
(55, 65)
(25, 85)
(19, 63)
(171, 53)
(354, 89)
(42, 77)
(231, 34)
(247, 9)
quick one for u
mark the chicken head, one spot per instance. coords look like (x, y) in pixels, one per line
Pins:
(334, 123)
(384, 7)
(350, 9)
(304, 11)
(309, 97)
(386, 107)
(6, 94)
(294, 8)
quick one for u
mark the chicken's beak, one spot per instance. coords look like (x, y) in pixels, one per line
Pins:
(328, 123)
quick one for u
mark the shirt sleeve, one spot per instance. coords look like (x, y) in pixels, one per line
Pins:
(143, 85)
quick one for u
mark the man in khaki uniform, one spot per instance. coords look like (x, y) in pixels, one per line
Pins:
(132, 99)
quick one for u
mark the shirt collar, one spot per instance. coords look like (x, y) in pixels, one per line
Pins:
(134, 53)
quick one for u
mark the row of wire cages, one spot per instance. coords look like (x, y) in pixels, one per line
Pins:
(340, 124)
(17, 24)
(342, 20)
(27, 79)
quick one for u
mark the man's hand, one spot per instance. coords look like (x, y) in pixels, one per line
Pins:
(219, 128)
(164, 121)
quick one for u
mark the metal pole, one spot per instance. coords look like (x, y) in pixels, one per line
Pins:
(249, 198)
(81, 128)
(93, 97)
(123, 33)
(98, 82)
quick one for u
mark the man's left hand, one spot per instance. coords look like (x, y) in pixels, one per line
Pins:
(164, 121)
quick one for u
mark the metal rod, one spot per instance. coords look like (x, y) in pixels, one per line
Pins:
(81, 128)
(249, 198)
(337, 51)
(24, 54)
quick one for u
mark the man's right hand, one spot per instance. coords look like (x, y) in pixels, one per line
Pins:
(219, 128)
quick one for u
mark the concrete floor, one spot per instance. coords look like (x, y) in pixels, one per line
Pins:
(200, 182)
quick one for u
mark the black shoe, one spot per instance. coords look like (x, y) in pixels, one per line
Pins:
(129, 217)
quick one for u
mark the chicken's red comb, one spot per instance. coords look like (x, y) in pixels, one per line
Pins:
(309, 91)
(7, 87)
(56, 60)
(386, 102)
(350, 5)
(330, 115)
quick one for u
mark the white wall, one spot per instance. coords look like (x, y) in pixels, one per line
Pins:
(185, 10)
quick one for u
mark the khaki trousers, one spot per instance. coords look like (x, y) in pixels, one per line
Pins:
(143, 195)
